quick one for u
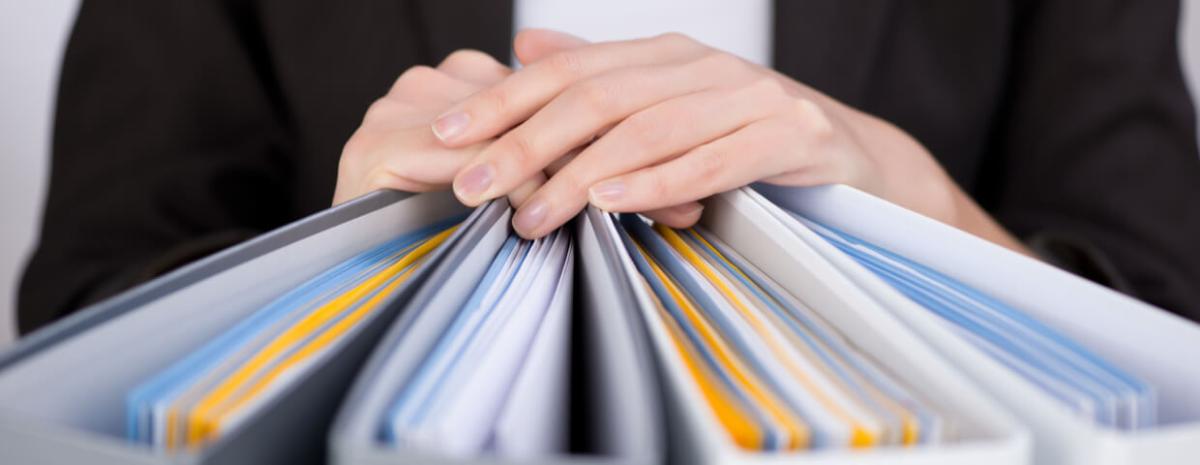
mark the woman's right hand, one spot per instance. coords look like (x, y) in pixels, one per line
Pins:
(394, 147)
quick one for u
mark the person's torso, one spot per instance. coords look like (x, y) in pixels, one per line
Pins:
(936, 69)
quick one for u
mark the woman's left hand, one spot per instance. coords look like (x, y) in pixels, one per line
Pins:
(664, 122)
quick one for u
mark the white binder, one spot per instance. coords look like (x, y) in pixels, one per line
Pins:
(616, 404)
(62, 388)
(986, 434)
(1149, 342)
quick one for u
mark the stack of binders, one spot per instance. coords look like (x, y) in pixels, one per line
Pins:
(817, 325)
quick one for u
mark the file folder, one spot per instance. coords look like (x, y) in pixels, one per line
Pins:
(1151, 343)
(766, 363)
(614, 401)
(215, 388)
(983, 433)
(61, 389)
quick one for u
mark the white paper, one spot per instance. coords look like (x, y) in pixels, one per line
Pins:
(465, 408)
(533, 421)
(465, 424)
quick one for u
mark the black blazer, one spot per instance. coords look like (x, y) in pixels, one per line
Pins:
(185, 126)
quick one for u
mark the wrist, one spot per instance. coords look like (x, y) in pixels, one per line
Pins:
(972, 218)
(912, 178)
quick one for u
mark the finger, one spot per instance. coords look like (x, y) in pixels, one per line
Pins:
(391, 114)
(370, 161)
(494, 110)
(557, 165)
(521, 194)
(417, 96)
(382, 177)
(679, 216)
(747, 155)
(428, 87)
(475, 67)
(394, 148)
(531, 45)
(581, 111)
(647, 138)
(666, 130)
(346, 192)
(424, 161)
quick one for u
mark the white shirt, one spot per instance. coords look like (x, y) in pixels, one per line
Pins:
(740, 27)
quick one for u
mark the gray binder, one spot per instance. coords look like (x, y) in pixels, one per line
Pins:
(616, 406)
(62, 389)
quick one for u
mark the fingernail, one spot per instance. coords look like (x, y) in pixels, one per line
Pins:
(474, 182)
(531, 216)
(449, 126)
(607, 191)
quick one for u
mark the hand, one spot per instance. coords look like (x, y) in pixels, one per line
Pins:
(666, 121)
(394, 147)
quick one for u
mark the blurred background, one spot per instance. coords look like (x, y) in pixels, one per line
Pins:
(32, 36)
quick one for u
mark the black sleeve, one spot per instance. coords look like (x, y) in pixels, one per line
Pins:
(1097, 155)
(168, 145)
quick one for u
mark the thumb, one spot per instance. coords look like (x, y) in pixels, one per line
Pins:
(531, 45)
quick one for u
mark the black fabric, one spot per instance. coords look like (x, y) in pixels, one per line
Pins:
(179, 121)
(1081, 257)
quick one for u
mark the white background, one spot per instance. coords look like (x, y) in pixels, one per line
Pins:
(32, 36)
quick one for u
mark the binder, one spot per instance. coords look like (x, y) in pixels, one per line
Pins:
(985, 433)
(1153, 344)
(62, 388)
(615, 413)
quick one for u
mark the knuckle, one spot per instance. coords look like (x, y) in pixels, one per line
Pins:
(494, 101)
(647, 130)
(569, 181)
(356, 148)
(556, 190)
(658, 185)
(520, 149)
(709, 164)
(380, 109)
(567, 64)
(594, 95)
(674, 39)
(356, 157)
(767, 87)
(415, 78)
(721, 62)
(812, 120)
(379, 179)
(466, 58)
